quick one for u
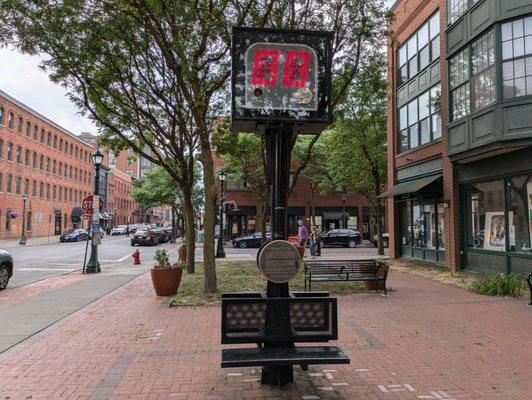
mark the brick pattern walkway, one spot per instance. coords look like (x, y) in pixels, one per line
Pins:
(425, 341)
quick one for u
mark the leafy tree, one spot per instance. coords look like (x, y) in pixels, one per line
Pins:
(158, 188)
(356, 145)
(153, 74)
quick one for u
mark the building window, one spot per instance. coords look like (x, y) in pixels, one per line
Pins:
(54, 165)
(60, 172)
(41, 163)
(458, 82)
(26, 186)
(10, 152)
(419, 120)
(47, 164)
(41, 190)
(420, 50)
(35, 132)
(455, 9)
(1, 115)
(28, 221)
(517, 57)
(60, 193)
(11, 121)
(1, 149)
(34, 189)
(1, 181)
(18, 184)
(34, 160)
(54, 192)
(20, 125)
(47, 191)
(49, 139)
(9, 183)
(19, 155)
(42, 136)
(60, 144)
(8, 220)
(27, 159)
(28, 129)
(483, 71)
(55, 141)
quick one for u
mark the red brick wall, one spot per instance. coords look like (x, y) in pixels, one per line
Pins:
(121, 205)
(80, 183)
(409, 16)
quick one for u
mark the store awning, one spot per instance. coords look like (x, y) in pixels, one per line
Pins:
(77, 212)
(410, 186)
(334, 216)
(104, 215)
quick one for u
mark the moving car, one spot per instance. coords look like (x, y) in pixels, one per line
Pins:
(6, 268)
(74, 235)
(144, 238)
(385, 240)
(340, 237)
(253, 240)
(119, 230)
(162, 234)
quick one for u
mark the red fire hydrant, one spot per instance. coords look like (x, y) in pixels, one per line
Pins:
(136, 257)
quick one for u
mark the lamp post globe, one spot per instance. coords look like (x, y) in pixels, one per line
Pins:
(93, 265)
(220, 251)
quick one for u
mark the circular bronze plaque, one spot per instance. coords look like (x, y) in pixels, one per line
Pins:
(278, 260)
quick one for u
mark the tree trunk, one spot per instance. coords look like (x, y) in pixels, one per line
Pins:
(190, 232)
(210, 217)
(174, 227)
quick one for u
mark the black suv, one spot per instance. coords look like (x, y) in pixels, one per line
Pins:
(340, 237)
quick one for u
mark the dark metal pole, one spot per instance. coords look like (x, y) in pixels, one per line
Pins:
(279, 143)
(93, 265)
(220, 252)
(22, 241)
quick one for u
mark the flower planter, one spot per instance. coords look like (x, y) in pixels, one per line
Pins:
(166, 280)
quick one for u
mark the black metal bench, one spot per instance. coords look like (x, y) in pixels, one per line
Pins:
(275, 324)
(344, 271)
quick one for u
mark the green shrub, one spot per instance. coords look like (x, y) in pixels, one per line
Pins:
(499, 285)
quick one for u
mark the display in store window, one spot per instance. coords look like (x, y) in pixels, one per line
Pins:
(495, 230)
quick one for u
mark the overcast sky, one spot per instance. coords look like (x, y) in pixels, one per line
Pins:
(21, 78)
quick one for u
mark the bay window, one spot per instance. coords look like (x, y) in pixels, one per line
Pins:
(517, 57)
(459, 84)
(483, 71)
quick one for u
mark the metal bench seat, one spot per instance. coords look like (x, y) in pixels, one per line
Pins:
(262, 356)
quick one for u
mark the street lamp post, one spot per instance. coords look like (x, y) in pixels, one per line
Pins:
(22, 241)
(94, 266)
(220, 252)
(344, 224)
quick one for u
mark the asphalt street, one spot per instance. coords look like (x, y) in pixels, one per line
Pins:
(36, 262)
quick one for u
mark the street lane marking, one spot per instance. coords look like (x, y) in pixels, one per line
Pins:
(45, 269)
(124, 258)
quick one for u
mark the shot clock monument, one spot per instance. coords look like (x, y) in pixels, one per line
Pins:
(281, 87)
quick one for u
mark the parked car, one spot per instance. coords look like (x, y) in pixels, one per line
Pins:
(162, 234)
(385, 240)
(144, 238)
(340, 237)
(253, 240)
(119, 230)
(74, 235)
(6, 268)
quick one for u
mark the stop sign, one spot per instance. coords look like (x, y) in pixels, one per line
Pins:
(87, 202)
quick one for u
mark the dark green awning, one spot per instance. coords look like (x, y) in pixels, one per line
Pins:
(410, 186)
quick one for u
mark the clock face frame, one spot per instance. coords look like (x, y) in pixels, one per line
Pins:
(281, 77)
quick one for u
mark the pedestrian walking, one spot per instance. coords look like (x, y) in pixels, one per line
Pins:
(302, 234)
(313, 240)
(127, 230)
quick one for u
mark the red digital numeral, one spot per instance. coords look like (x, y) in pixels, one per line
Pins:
(296, 68)
(265, 67)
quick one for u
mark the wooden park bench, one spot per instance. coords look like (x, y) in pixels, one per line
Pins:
(344, 271)
(303, 317)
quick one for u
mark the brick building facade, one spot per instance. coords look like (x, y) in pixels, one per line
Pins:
(54, 169)
(44, 161)
(460, 133)
(327, 209)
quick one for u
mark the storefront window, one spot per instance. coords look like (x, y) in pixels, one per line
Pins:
(418, 227)
(406, 223)
(520, 213)
(441, 226)
(486, 217)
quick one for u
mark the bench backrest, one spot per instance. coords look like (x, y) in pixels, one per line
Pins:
(310, 319)
(341, 267)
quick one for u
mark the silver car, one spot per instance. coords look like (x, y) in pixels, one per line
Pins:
(6, 268)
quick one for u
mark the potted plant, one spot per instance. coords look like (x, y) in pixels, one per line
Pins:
(165, 276)
(182, 252)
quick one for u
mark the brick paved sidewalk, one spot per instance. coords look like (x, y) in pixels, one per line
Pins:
(425, 341)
